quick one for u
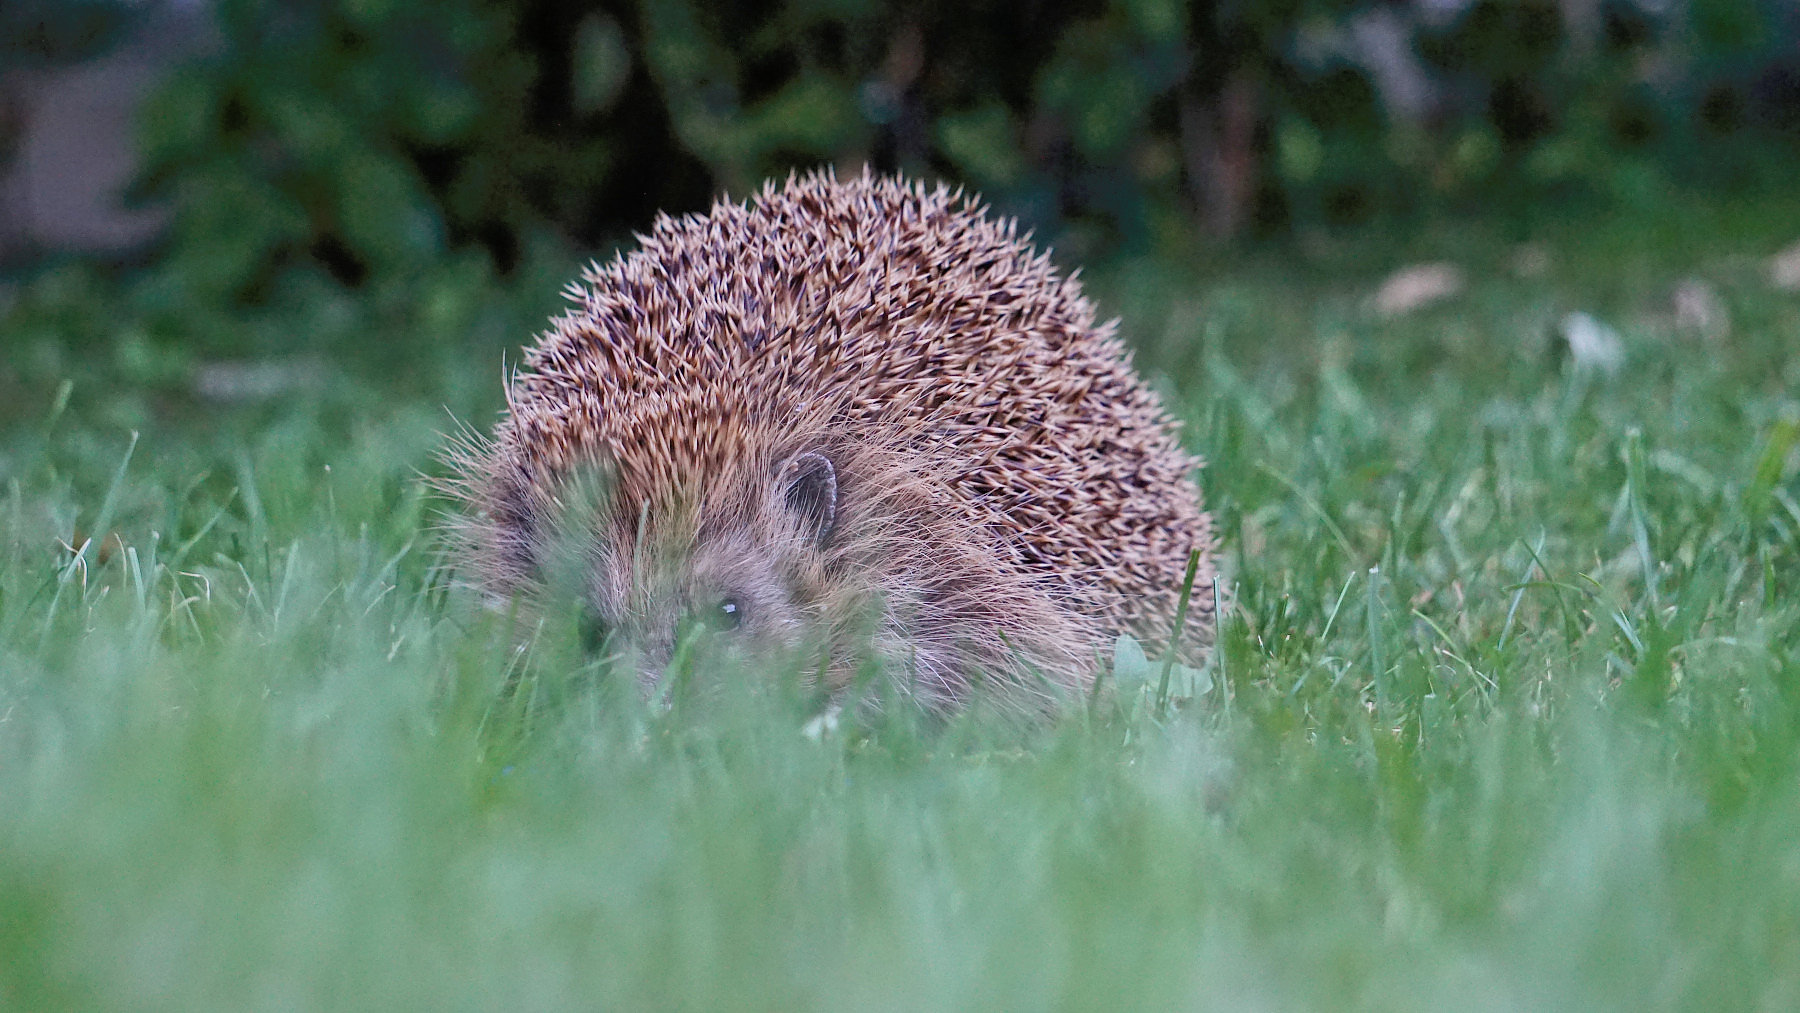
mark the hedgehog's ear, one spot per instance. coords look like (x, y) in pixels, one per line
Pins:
(810, 488)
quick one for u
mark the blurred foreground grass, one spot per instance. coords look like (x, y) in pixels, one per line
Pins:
(1507, 717)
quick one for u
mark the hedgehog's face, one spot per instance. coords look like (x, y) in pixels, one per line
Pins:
(733, 584)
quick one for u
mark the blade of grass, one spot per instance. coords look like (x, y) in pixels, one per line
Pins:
(1181, 613)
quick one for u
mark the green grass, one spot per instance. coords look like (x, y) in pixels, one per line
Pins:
(1507, 717)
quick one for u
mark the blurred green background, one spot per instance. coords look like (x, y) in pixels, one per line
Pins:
(287, 149)
(215, 211)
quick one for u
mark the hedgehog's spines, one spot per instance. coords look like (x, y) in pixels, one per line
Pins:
(894, 315)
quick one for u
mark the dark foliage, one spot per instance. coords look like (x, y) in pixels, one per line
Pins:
(358, 138)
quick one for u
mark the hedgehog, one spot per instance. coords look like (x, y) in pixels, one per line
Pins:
(844, 421)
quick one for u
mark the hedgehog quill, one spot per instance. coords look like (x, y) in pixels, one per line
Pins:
(846, 420)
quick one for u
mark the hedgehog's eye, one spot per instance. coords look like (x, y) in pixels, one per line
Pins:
(727, 615)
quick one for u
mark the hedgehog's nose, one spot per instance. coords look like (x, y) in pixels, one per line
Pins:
(666, 669)
(654, 655)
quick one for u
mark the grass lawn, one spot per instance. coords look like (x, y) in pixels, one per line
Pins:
(1506, 717)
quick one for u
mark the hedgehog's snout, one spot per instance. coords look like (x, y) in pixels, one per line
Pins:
(653, 642)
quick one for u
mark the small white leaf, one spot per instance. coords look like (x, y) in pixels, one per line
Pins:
(1417, 286)
(1592, 344)
(1131, 668)
(1784, 268)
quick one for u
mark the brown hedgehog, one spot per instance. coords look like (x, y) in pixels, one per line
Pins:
(859, 419)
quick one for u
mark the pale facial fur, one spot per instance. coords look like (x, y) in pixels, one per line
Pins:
(815, 565)
(733, 590)
(741, 570)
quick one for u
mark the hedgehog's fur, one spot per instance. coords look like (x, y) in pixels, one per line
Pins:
(870, 412)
